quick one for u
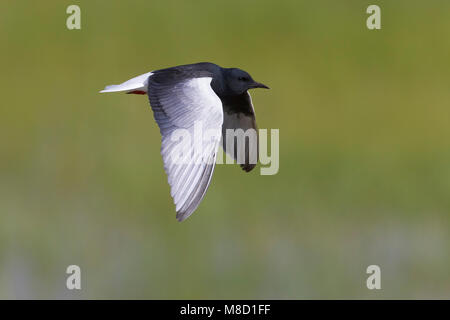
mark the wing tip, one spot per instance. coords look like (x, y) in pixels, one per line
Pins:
(183, 215)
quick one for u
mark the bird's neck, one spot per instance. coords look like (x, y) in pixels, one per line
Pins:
(236, 103)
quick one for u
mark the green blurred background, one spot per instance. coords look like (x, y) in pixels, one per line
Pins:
(364, 152)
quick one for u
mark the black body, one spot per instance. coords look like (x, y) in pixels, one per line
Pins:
(230, 84)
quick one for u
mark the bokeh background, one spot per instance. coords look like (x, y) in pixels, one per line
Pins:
(364, 120)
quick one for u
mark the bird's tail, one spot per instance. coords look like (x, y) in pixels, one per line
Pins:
(137, 85)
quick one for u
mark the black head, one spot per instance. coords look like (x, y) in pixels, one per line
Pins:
(239, 81)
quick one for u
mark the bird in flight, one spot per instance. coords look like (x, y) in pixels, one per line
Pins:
(184, 96)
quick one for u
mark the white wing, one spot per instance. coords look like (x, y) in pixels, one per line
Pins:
(181, 105)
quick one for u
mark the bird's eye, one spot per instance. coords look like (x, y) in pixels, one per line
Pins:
(242, 79)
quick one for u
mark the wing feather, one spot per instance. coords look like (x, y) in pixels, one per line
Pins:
(182, 102)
